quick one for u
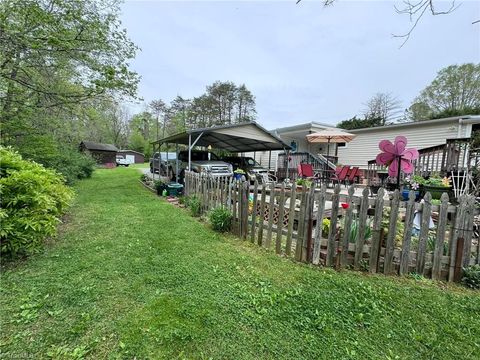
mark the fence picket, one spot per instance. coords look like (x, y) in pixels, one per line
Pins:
(392, 232)
(291, 219)
(424, 229)
(470, 213)
(319, 226)
(377, 231)
(234, 207)
(362, 225)
(245, 194)
(271, 207)
(307, 234)
(332, 232)
(281, 212)
(438, 251)
(457, 232)
(301, 224)
(407, 234)
(254, 212)
(262, 215)
(347, 227)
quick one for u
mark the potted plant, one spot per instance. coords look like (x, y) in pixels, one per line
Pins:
(160, 186)
(436, 186)
(375, 184)
(301, 181)
(412, 183)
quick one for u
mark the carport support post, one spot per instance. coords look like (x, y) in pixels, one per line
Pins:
(176, 162)
(159, 159)
(153, 161)
(189, 151)
(166, 170)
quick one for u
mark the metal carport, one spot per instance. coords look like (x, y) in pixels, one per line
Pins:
(243, 137)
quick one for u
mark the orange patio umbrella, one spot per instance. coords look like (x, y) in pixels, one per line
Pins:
(330, 136)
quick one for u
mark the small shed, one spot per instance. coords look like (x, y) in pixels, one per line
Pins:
(133, 157)
(104, 154)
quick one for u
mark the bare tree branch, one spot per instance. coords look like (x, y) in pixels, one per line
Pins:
(416, 10)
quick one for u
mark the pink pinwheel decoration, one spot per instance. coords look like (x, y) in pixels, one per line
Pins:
(393, 153)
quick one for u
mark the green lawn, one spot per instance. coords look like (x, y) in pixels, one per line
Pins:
(131, 276)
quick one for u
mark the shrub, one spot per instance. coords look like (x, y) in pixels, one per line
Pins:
(221, 219)
(68, 161)
(32, 200)
(195, 206)
(471, 276)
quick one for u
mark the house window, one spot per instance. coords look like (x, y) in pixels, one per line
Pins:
(342, 145)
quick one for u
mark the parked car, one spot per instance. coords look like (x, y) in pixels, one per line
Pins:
(121, 161)
(163, 162)
(252, 169)
(201, 162)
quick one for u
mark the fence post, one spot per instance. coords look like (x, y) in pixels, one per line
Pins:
(362, 224)
(407, 234)
(332, 232)
(457, 276)
(271, 207)
(438, 251)
(281, 212)
(347, 225)
(470, 214)
(376, 232)
(254, 212)
(262, 215)
(234, 207)
(307, 239)
(291, 219)
(392, 232)
(457, 232)
(245, 194)
(318, 228)
(301, 224)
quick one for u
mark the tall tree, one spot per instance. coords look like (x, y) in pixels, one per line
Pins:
(454, 91)
(57, 54)
(383, 108)
(159, 110)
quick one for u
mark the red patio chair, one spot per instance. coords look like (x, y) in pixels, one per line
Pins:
(306, 171)
(354, 173)
(341, 175)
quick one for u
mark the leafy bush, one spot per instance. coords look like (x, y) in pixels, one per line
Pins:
(471, 276)
(32, 200)
(68, 161)
(195, 206)
(221, 219)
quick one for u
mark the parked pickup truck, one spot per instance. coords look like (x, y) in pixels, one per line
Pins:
(253, 170)
(201, 162)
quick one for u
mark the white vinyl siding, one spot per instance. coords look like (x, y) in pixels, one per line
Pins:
(364, 146)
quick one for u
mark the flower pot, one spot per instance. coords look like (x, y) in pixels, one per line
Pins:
(435, 191)
(406, 192)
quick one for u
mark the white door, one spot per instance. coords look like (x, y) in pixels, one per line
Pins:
(130, 159)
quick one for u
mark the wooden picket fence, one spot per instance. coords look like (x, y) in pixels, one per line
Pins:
(364, 233)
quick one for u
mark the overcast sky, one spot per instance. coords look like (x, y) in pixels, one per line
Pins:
(302, 62)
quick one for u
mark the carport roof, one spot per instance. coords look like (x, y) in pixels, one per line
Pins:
(242, 137)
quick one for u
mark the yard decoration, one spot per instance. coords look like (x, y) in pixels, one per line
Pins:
(397, 157)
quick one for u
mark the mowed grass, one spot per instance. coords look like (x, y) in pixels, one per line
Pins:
(131, 276)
